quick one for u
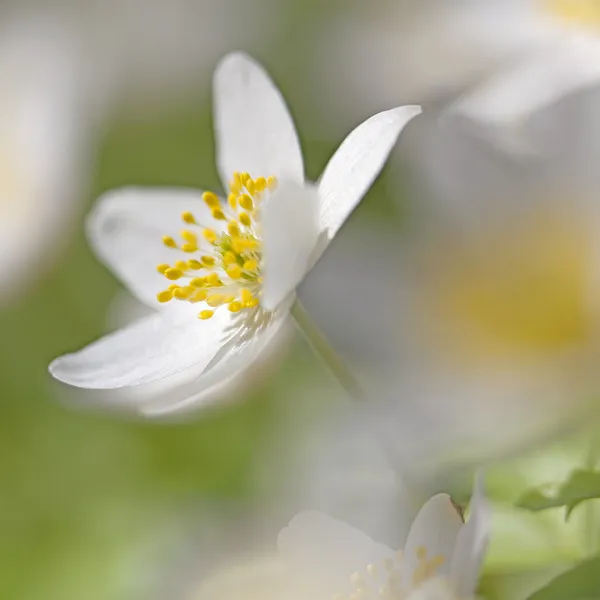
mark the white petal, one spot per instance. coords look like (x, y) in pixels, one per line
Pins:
(199, 387)
(435, 528)
(253, 127)
(290, 235)
(126, 227)
(329, 551)
(357, 162)
(45, 127)
(156, 347)
(472, 543)
(565, 67)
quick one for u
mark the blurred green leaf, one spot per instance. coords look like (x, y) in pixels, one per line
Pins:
(581, 485)
(580, 583)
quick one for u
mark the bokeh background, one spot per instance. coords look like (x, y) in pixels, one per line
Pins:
(102, 505)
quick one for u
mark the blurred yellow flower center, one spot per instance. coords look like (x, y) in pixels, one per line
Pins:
(220, 265)
(578, 12)
(523, 292)
(385, 581)
(272, 578)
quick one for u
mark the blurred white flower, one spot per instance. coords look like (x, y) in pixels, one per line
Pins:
(43, 154)
(499, 59)
(486, 325)
(241, 299)
(321, 557)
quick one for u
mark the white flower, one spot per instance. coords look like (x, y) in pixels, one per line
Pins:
(556, 47)
(323, 558)
(238, 260)
(511, 56)
(42, 159)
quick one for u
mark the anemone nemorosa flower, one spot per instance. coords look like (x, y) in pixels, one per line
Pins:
(322, 558)
(223, 285)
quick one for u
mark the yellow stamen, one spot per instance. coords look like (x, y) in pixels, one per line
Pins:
(211, 200)
(245, 219)
(195, 265)
(208, 261)
(183, 293)
(163, 268)
(234, 271)
(234, 307)
(197, 282)
(246, 202)
(213, 279)
(188, 218)
(218, 214)
(210, 235)
(232, 200)
(250, 265)
(173, 274)
(234, 229)
(246, 296)
(169, 242)
(206, 314)
(200, 296)
(164, 296)
(272, 183)
(261, 184)
(229, 258)
(215, 300)
(181, 265)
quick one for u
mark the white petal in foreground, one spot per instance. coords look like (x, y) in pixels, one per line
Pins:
(435, 528)
(235, 367)
(328, 550)
(149, 350)
(290, 224)
(253, 127)
(471, 543)
(126, 228)
(356, 164)
(536, 82)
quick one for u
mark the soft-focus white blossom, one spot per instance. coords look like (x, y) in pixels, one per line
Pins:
(487, 312)
(44, 133)
(322, 557)
(239, 260)
(500, 59)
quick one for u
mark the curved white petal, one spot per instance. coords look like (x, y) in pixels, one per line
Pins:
(253, 127)
(290, 222)
(156, 347)
(356, 164)
(435, 528)
(197, 387)
(568, 65)
(126, 227)
(472, 543)
(328, 551)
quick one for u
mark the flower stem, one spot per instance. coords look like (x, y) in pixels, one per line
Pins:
(322, 348)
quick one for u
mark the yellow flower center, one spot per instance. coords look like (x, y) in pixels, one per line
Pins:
(223, 264)
(517, 292)
(576, 12)
(385, 582)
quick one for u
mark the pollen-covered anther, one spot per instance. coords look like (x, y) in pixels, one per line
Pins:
(183, 293)
(272, 183)
(188, 217)
(234, 306)
(215, 300)
(210, 235)
(169, 242)
(218, 214)
(234, 271)
(211, 199)
(162, 268)
(234, 229)
(164, 296)
(173, 274)
(208, 261)
(245, 219)
(206, 314)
